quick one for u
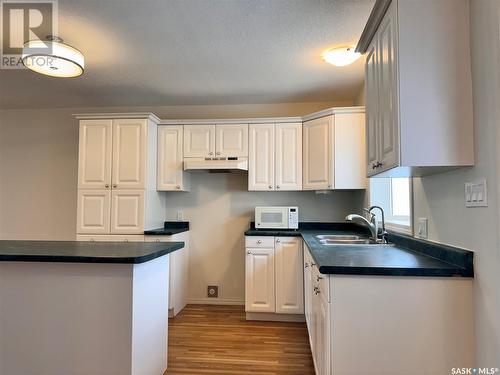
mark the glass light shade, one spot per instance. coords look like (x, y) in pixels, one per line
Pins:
(341, 56)
(53, 58)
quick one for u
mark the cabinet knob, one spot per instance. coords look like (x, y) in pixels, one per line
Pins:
(278, 240)
(374, 166)
(270, 186)
(379, 164)
(318, 278)
(306, 265)
(106, 186)
(277, 186)
(178, 187)
(125, 240)
(259, 241)
(210, 153)
(313, 264)
(115, 186)
(217, 153)
(249, 252)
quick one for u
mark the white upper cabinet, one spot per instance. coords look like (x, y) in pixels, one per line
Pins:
(129, 153)
(275, 157)
(261, 157)
(318, 151)
(171, 176)
(288, 174)
(231, 140)
(94, 154)
(259, 280)
(334, 152)
(416, 98)
(350, 151)
(288, 260)
(199, 141)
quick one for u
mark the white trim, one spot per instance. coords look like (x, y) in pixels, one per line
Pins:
(257, 120)
(262, 120)
(333, 111)
(272, 317)
(215, 301)
(124, 115)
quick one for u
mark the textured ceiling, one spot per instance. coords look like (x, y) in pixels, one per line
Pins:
(166, 52)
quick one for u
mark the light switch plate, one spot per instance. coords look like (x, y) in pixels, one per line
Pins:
(180, 215)
(476, 194)
(422, 227)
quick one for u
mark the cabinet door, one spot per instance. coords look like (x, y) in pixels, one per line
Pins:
(261, 157)
(289, 275)
(318, 164)
(93, 209)
(94, 154)
(199, 141)
(322, 352)
(288, 156)
(170, 170)
(350, 151)
(259, 280)
(388, 90)
(129, 153)
(231, 140)
(372, 107)
(127, 212)
(308, 290)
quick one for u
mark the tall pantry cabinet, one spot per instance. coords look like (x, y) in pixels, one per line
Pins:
(117, 175)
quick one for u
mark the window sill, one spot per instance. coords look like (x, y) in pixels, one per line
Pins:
(399, 228)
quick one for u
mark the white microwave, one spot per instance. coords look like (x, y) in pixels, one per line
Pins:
(267, 217)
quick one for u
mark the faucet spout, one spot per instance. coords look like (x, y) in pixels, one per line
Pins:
(363, 220)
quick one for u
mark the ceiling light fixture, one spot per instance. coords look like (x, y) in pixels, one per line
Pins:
(341, 56)
(53, 58)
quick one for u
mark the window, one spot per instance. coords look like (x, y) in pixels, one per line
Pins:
(394, 196)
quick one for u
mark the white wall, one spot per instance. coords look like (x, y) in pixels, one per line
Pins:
(440, 198)
(219, 209)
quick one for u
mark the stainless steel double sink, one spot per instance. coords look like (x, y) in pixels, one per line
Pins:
(341, 239)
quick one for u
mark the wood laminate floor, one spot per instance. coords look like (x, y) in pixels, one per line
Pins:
(208, 339)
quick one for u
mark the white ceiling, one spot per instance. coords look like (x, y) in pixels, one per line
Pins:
(182, 52)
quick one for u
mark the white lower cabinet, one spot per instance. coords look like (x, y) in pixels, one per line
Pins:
(273, 275)
(372, 324)
(288, 264)
(93, 211)
(259, 280)
(127, 211)
(178, 272)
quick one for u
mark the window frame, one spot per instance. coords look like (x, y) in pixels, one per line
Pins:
(394, 226)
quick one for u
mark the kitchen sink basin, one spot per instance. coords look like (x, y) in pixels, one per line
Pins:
(341, 239)
(337, 237)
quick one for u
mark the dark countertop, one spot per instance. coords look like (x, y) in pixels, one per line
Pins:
(405, 256)
(85, 252)
(169, 228)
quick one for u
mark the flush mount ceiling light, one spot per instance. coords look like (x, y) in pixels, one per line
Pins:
(341, 56)
(53, 58)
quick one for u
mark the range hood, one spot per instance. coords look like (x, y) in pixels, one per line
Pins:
(216, 164)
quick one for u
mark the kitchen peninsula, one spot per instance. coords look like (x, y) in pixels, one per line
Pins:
(84, 307)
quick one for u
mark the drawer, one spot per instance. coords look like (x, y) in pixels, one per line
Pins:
(158, 239)
(259, 241)
(110, 238)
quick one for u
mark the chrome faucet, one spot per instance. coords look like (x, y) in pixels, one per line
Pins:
(371, 223)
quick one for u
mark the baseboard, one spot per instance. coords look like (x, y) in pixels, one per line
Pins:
(215, 301)
(275, 317)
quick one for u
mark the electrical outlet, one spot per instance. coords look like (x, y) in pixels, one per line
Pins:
(476, 194)
(212, 291)
(422, 227)
(180, 215)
